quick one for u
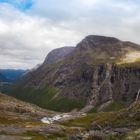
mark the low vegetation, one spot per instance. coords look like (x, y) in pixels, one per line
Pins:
(46, 98)
(124, 119)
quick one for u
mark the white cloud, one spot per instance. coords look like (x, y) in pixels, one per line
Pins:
(27, 37)
(89, 2)
(25, 40)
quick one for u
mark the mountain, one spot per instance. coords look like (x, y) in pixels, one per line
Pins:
(97, 72)
(3, 78)
(57, 55)
(12, 75)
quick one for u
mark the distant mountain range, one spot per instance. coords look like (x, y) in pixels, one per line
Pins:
(97, 72)
(3, 78)
(10, 75)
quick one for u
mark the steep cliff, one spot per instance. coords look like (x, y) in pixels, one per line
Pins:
(97, 71)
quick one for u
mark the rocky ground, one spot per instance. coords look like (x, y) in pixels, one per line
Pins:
(22, 121)
(113, 125)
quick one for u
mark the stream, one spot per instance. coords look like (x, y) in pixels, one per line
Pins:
(50, 120)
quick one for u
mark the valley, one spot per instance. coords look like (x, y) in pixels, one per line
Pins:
(69, 70)
(20, 120)
(93, 73)
(87, 92)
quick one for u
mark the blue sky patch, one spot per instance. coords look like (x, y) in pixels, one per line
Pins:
(20, 4)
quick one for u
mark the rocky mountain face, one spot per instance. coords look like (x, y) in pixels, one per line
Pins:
(57, 55)
(98, 71)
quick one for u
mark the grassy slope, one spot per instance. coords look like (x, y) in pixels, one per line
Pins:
(18, 124)
(46, 98)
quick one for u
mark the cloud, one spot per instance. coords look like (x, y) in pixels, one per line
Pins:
(27, 36)
(25, 40)
(63, 9)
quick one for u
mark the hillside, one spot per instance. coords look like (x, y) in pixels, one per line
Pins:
(14, 105)
(108, 125)
(20, 120)
(3, 78)
(99, 71)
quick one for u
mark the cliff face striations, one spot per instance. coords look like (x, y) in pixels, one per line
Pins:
(97, 71)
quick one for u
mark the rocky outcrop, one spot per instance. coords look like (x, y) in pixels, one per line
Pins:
(92, 73)
(112, 82)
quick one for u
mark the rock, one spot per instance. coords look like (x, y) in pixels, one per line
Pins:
(96, 127)
(93, 73)
(122, 130)
(57, 55)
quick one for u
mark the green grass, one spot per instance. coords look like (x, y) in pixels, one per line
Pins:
(8, 118)
(35, 135)
(32, 135)
(55, 136)
(4, 88)
(113, 118)
(40, 97)
(65, 104)
(93, 110)
(111, 137)
(45, 98)
(114, 106)
(84, 122)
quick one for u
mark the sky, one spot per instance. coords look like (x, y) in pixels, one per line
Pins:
(30, 29)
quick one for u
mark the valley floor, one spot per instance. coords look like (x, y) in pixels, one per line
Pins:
(93, 126)
(23, 121)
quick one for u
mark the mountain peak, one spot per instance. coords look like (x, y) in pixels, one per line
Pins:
(94, 72)
(96, 39)
(100, 42)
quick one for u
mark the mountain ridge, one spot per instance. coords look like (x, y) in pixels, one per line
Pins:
(57, 55)
(92, 74)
